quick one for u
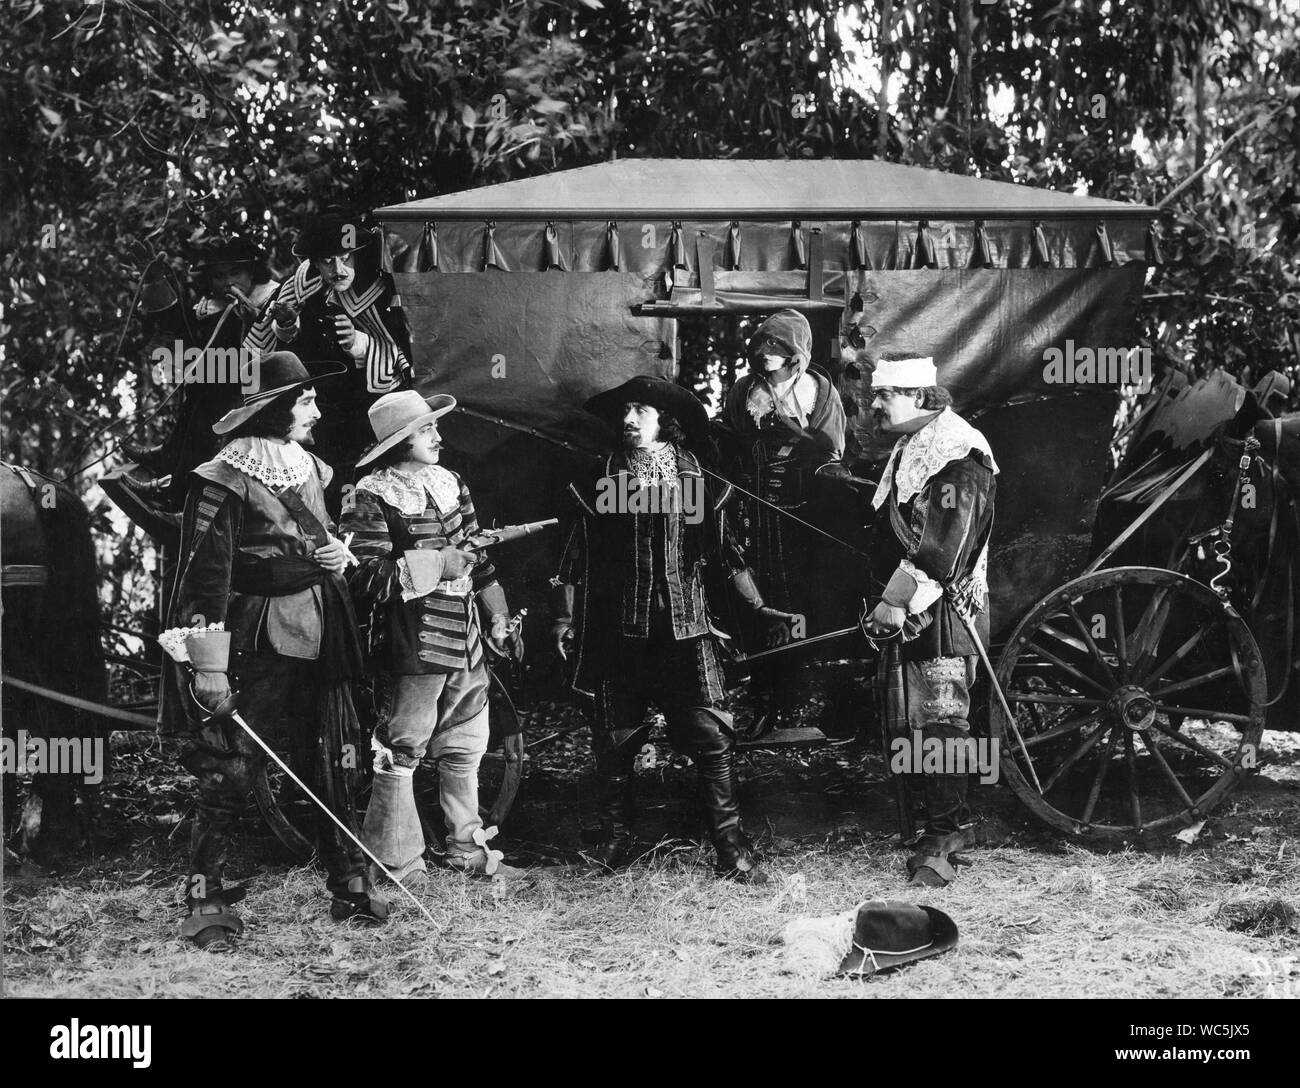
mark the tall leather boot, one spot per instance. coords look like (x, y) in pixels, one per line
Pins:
(719, 788)
(211, 923)
(947, 815)
(616, 840)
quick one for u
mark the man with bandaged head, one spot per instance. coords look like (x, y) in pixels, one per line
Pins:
(937, 491)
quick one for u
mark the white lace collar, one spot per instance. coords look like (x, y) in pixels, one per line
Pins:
(276, 464)
(919, 456)
(411, 493)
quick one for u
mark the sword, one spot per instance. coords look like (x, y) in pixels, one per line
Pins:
(227, 710)
(993, 678)
(794, 644)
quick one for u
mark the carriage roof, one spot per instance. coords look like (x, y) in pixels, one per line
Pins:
(569, 283)
(759, 189)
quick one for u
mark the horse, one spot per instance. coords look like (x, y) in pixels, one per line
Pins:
(50, 637)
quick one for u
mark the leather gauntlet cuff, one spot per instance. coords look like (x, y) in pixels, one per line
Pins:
(493, 599)
(901, 589)
(747, 589)
(562, 597)
(209, 651)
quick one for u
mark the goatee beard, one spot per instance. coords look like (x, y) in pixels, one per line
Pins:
(631, 441)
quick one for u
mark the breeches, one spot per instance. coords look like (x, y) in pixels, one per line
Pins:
(226, 762)
(442, 718)
(683, 678)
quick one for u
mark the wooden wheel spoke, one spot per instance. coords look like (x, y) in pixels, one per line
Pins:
(1053, 700)
(1150, 628)
(1092, 646)
(1070, 670)
(1173, 659)
(1134, 801)
(1088, 655)
(1089, 743)
(1121, 637)
(1067, 726)
(1195, 746)
(1195, 681)
(1208, 715)
(1075, 644)
(1103, 766)
(1168, 771)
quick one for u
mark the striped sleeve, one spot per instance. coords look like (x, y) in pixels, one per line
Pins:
(384, 360)
(485, 573)
(260, 338)
(377, 576)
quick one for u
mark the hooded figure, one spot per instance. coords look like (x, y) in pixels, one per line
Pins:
(780, 436)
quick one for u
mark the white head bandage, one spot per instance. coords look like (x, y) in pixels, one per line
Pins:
(906, 373)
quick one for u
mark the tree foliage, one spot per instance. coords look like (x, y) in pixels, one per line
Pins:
(133, 125)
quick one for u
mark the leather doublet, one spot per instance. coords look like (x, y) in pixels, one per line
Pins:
(290, 624)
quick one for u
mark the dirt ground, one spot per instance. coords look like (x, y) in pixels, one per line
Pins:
(1038, 916)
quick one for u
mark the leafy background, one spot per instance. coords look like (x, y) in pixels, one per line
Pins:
(131, 126)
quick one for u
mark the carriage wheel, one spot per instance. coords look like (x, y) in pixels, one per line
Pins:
(288, 813)
(1138, 695)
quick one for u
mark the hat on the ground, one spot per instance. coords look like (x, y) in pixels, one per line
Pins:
(396, 415)
(905, 373)
(890, 933)
(279, 372)
(331, 233)
(790, 333)
(666, 396)
(217, 250)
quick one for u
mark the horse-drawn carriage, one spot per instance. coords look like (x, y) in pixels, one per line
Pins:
(1135, 695)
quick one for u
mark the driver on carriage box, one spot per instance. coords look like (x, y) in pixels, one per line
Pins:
(260, 594)
(938, 485)
(650, 532)
(411, 518)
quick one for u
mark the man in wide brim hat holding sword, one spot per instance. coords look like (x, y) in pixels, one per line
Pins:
(261, 615)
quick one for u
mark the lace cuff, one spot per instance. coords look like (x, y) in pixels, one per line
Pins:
(408, 586)
(173, 639)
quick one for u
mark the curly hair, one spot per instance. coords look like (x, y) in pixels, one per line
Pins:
(273, 421)
(670, 430)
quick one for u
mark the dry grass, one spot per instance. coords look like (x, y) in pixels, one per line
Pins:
(1038, 918)
(1122, 925)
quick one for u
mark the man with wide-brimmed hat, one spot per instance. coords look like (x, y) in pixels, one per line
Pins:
(195, 344)
(260, 607)
(781, 438)
(937, 488)
(649, 561)
(410, 520)
(338, 305)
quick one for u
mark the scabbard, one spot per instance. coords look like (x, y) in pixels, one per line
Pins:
(892, 695)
